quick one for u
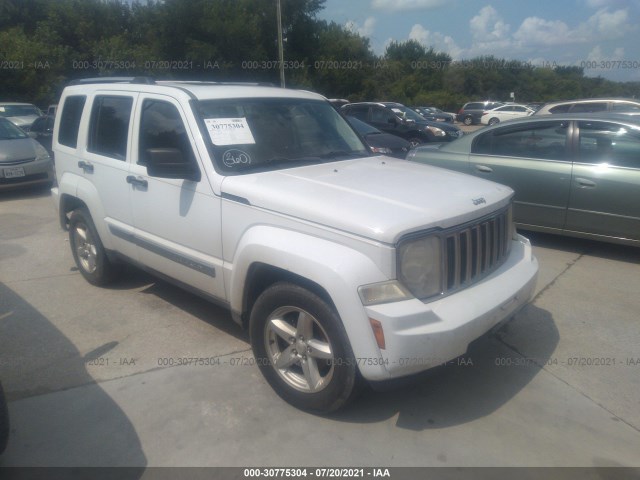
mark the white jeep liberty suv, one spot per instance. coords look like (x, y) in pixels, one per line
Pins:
(343, 265)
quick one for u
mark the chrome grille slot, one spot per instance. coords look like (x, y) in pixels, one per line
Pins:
(475, 250)
(16, 162)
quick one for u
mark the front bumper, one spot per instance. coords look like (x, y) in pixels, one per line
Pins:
(419, 335)
(34, 173)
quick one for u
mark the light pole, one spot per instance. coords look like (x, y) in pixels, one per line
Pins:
(280, 47)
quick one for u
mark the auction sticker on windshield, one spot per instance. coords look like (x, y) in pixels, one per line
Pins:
(229, 131)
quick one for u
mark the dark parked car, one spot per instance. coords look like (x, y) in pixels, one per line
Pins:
(380, 142)
(471, 112)
(396, 119)
(434, 114)
(42, 131)
(576, 175)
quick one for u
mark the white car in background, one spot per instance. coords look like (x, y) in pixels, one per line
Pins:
(505, 112)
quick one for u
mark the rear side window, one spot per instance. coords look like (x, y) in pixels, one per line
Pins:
(109, 128)
(560, 108)
(609, 143)
(358, 111)
(70, 120)
(545, 141)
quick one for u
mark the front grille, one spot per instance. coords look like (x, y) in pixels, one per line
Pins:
(4, 163)
(475, 250)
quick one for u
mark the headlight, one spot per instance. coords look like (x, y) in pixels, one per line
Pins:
(438, 132)
(384, 150)
(420, 266)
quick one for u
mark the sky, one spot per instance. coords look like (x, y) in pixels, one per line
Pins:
(602, 34)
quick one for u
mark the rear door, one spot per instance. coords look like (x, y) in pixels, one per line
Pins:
(605, 188)
(105, 165)
(534, 160)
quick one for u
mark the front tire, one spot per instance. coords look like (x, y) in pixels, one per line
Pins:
(88, 251)
(415, 142)
(302, 349)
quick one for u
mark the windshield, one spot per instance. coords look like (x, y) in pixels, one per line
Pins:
(18, 110)
(8, 131)
(406, 113)
(248, 134)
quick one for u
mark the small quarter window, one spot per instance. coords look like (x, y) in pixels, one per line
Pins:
(70, 120)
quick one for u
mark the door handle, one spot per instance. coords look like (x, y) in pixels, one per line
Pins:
(87, 167)
(484, 169)
(137, 181)
(584, 183)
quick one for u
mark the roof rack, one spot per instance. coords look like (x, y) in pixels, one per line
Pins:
(152, 81)
(138, 80)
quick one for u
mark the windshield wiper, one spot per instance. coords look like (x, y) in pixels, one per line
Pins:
(343, 153)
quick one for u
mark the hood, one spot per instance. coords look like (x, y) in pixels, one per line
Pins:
(20, 149)
(380, 198)
(23, 121)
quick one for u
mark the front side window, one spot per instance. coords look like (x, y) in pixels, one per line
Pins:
(609, 143)
(251, 134)
(545, 140)
(162, 127)
(109, 127)
(70, 120)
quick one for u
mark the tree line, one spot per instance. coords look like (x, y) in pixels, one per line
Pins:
(44, 44)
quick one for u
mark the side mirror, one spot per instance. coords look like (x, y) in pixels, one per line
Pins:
(170, 163)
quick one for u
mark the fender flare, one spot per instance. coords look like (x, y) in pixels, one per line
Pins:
(336, 268)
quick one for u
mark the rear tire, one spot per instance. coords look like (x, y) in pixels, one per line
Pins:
(468, 121)
(302, 349)
(88, 251)
(493, 121)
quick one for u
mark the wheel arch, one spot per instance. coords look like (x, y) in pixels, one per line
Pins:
(331, 270)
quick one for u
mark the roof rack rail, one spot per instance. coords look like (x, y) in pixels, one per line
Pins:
(209, 82)
(137, 80)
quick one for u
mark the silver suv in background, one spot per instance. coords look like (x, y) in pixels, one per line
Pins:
(20, 114)
(591, 105)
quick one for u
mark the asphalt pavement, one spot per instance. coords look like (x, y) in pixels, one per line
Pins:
(93, 375)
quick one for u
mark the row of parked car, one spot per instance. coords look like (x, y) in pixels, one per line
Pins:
(491, 112)
(574, 165)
